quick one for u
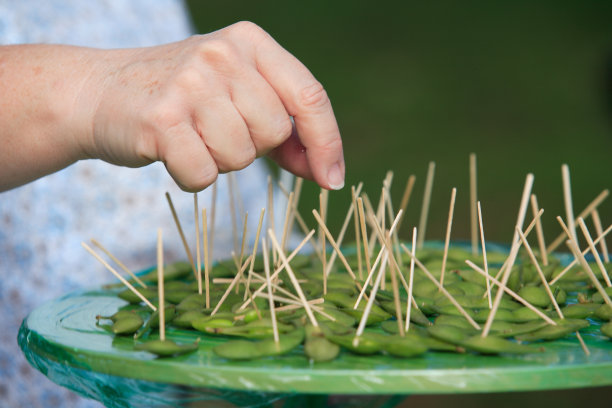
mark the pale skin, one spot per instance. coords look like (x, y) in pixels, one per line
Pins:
(203, 106)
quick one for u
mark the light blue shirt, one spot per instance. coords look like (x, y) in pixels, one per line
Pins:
(43, 223)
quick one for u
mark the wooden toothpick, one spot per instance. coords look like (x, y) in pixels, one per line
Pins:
(378, 232)
(396, 298)
(206, 257)
(294, 281)
(584, 214)
(432, 278)
(247, 292)
(336, 247)
(213, 213)
(510, 292)
(231, 286)
(449, 225)
(232, 205)
(180, 231)
(297, 191)
(118, 262)
(278, 269)
(286, 230)
(406, 197)
(323, 210)
(277, 286)
(160, 286)
(244, 234)
(364, 235)
(535, 263)
(575, 261)
(587, 236)
(567, 199)
(484, 254)
(347, 219)
(411, 278)
(528, 230)
(585, 266)
(473, 199)
(392, 261)
(520, 220)
(196, 211)
(368, 307)
(270, 209)
(369, 210)
(575, 249)
(513, 252)
(270, 299)
(426, 201)
(583, 344)
(301, 223)
(376, 215)
(599, 231)
(357, 233)
(395, 237)
(383, 284)
(539, 231)
(118, 276)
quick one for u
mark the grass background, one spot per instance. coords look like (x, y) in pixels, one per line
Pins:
(525, 85)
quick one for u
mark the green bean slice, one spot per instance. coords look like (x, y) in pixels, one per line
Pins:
(496, 345)
(550, 332)
(606, 329)
(580, 310)
(166, 348)
(408, 346)
(449, 334)
(604, 312)
(536, 295)
(368, 342)
(127, 325)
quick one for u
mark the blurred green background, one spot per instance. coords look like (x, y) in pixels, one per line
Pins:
(525, 85)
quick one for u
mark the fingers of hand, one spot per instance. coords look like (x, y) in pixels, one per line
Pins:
(234, 109)
(236, 89)
(267, 120)
(318, 131)
(226, 135)
(187, 159)
(291, 155)
(306, 100)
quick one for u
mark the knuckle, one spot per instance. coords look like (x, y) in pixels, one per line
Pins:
(218, 52)
(246, 157)
(208, 176)
(314, 96)
(247, 29)
(188, 77)
(160, 116)
(281, 132)
(201, 180)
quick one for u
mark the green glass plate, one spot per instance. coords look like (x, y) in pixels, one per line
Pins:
(63, 333)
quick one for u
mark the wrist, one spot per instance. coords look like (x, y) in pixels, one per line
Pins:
(94, 72)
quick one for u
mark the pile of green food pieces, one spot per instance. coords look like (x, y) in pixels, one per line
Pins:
(436, 325)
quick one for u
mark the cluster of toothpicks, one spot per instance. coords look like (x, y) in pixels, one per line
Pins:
(381, 256)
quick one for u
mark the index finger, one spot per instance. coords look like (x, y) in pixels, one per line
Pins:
(306, 100)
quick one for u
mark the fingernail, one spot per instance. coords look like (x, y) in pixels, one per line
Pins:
(335, 177)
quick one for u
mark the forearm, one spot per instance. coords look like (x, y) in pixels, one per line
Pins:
(204, 105)
(43, 119)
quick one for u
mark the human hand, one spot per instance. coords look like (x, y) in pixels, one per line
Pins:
(209, 104)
